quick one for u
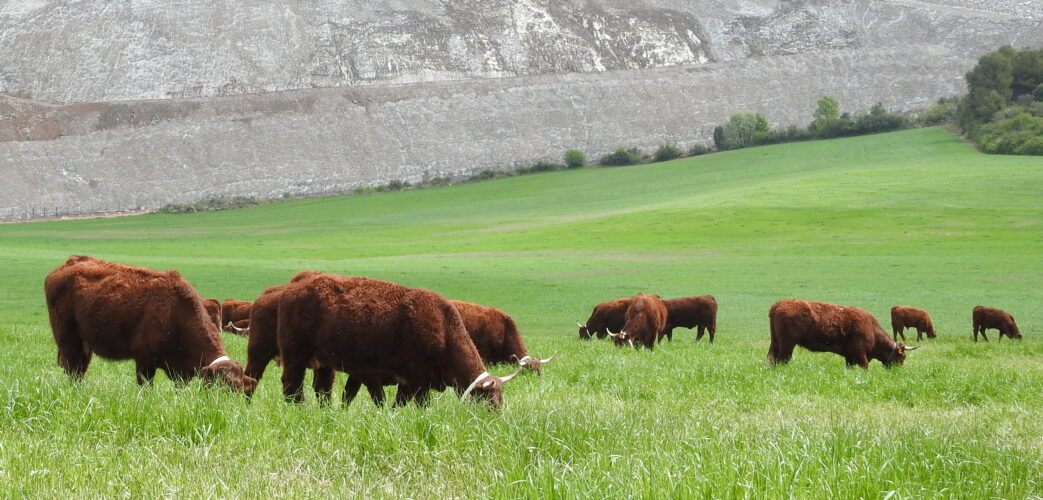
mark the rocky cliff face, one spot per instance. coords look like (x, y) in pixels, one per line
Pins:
(314, 96)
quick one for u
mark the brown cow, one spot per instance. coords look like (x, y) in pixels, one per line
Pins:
(241, 327)
(496, 336)
(645, 319)
(820, 327)
(607, 316)
(123, 312)
(903, 317)
(213, 311)
(986, 317)
(233, 310)
(689, 312)
(380, 329)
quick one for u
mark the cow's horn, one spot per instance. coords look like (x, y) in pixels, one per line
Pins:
(237, 329)
(547, 360)
(631, 342)
(580, 325)
(504, 380)
(473, 384)
(913, 348)
(610, 334)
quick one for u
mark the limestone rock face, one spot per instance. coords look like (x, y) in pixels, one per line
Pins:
(261, 98)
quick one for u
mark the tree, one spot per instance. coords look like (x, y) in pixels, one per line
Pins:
(742, 129)
(718, 138)
(827, 112)
(574, 158)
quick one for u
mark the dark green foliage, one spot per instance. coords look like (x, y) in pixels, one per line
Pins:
(1003, 79)
(942, 111)
(1017, 130)
(575, 158)
(397, 185)
(211, 205)
(827, 112)
(667, 152)
(743, 129)
(439, 181)
(698, 150)
(621, 157)
(718, 138)
(879, 120)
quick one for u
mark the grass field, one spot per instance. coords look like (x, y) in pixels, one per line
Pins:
(916, 218)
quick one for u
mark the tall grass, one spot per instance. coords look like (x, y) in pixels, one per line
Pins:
(915, 218)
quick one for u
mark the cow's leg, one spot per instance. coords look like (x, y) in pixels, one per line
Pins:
(670, 334)
(420, 395)
(376, 391)
(73, 356)
(258, 355)
(712, 329)
(601, 333)
(699, 330)
(145, 372)
(351, 389)
(293, 380)
(405, 394)
(784, 351)
(322, 383)
(898, 332)
(919, 335)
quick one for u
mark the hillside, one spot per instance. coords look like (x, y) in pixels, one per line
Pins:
(144, 104)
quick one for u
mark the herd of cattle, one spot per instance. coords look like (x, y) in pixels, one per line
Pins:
(381, 333)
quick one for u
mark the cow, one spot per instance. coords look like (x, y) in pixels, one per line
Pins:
(496, 336)
(606, 316)
(903, 317)
(241, 327)
(233, 310)
(380, 329)
(213, 311)
(689, 312)
(983, 318)
(123, 312)
(645, 320)
(821, 327)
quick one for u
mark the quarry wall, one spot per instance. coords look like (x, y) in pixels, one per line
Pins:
(175, 102)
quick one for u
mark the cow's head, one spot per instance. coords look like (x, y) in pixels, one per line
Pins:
(229, 373)
(489, 388)
(898, 354)
(622, 338)
(531, 363)
(584, 332)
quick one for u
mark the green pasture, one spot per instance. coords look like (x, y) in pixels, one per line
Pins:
(915, 218)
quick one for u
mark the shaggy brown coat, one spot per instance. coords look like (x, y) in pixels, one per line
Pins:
(903, 317)
(233, 310)
(645, 319)
(983, 318)
(213, 311)
(689, 312)
(606, 316)
(821, 327)
(378, 328)
(123, 312)
(495, 335)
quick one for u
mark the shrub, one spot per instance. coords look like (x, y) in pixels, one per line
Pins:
(942, 111)
(741, 130)
(545, 166)
(698, 150)
(827, 112)
(667, 152)
(210, 205)
(575, 158)
(622, 156)
(878, 120)
(440, 181)
(397, 185)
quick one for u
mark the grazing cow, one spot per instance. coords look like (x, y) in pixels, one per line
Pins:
(645, 319)
(607, 316)
(123, 312)
(986, 317)
(689, 312)
(496, 336)
(213, 311)
(233, 310)
(378, 328)
(241, 327)
(903, 317)
(820, 327)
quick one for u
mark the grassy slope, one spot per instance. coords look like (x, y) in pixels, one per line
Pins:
(914, 218)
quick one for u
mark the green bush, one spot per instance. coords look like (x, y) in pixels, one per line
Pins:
(210, 205)
(544, 166)
(667, 152)
(698, 150)
(1021, 134)
(879, 120)
(621, 157)
(942, 111)
(575, 158)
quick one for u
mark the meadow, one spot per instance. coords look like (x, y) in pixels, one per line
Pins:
(915, 218)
